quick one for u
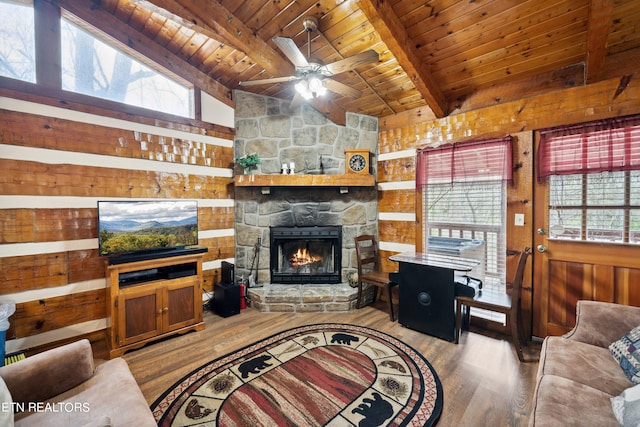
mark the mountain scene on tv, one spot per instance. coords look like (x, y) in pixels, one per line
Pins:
(126, 227)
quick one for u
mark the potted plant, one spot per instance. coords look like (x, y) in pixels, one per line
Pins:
(248, 162)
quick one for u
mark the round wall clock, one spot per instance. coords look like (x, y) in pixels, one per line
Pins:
(357, 161)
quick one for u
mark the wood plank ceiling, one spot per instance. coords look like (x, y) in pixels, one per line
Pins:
(440, 55)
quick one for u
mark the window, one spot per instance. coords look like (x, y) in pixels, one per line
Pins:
(17, 49)
(470, 211)
(91, 63)
(594, 180)
(91, 67)
(464, 195)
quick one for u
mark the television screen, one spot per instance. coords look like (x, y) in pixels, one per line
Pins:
(126, 227)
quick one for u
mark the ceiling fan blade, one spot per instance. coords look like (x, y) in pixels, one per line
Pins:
(340, 88)
(291, 51)
(355, 61)
(268, 81)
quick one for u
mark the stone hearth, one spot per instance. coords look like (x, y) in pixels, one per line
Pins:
(272, 298)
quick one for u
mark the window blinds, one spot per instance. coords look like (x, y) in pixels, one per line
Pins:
(603, 146)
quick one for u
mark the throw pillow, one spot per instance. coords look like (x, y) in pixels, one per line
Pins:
(6, 406)
(626, 406)
(627, 352)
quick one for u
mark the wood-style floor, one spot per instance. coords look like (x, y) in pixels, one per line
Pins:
(483, 382)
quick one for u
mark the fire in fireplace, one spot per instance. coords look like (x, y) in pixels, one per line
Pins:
(306, 254)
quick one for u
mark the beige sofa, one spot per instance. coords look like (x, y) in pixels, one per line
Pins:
(73, 391)
(577, 375)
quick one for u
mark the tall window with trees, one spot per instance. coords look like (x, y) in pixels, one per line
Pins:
(17, 49)
(91, 63)
(463, 190)
(91, 67)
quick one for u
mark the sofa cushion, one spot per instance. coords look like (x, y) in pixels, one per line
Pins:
(626, 406)
(626, 351)
(47, 374)
(562, 402)
(111, 392)
(6, 408)
(583, 363)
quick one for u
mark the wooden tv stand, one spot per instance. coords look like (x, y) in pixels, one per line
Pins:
(152, 299)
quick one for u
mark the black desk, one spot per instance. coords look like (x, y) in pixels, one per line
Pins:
(426, 291)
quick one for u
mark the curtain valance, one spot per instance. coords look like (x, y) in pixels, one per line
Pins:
(604, 145)
(476, 161)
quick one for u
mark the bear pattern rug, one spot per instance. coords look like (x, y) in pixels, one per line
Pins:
(315, 375)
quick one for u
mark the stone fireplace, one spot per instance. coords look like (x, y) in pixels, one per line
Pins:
(285, 279)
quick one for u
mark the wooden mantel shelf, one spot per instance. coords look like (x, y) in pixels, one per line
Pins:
(344, 180)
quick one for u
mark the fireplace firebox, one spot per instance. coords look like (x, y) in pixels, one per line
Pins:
(306, 255)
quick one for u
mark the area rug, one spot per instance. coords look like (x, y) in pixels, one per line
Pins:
(316, 375)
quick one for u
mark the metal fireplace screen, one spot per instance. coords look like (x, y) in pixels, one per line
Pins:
(306, 255)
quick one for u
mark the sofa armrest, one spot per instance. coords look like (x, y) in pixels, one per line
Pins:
(601, 323)
(47, 374)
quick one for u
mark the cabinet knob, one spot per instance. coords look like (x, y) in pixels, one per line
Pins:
(159, 312)
(165, 309)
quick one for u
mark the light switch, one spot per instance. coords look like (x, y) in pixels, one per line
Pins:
(519, 220)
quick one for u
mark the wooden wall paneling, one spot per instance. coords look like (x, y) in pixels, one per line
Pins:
(219, 247)
(520, 201)
(215, 218)
(16, 225)
(52, 225)
(575, 105)
(385, 263)
(210, 277)
(33, 178)
(396, 201)
(397, 231)
(49, 314)
(396, 170)
(58, 134)
(86, 265)
(29, 272)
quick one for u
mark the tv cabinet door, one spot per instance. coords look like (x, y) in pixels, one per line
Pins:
(183, 304)
(140, 315)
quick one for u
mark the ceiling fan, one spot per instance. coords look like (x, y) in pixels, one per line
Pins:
(313, 79)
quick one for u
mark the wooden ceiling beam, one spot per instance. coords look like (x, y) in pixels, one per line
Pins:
(112, 26)
(388, 25)
(210, 17)
(597, 33)
(214, 20)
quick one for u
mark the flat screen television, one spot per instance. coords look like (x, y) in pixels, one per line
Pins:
(135, 227)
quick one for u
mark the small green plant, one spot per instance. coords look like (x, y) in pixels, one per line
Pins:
(249, 161)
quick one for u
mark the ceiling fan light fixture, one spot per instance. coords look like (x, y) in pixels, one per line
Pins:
(302, 87)
(311, 88)
(317, 87)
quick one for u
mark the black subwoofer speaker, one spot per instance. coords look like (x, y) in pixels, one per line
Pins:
(226, 299)
(426, 300)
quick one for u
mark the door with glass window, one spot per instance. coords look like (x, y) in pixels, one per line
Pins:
(587, 232)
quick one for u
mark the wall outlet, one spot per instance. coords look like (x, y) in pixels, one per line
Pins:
(519, 220)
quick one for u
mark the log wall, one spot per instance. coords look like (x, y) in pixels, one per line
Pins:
(56, 164)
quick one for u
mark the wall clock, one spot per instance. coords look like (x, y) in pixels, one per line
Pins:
(357, 161)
